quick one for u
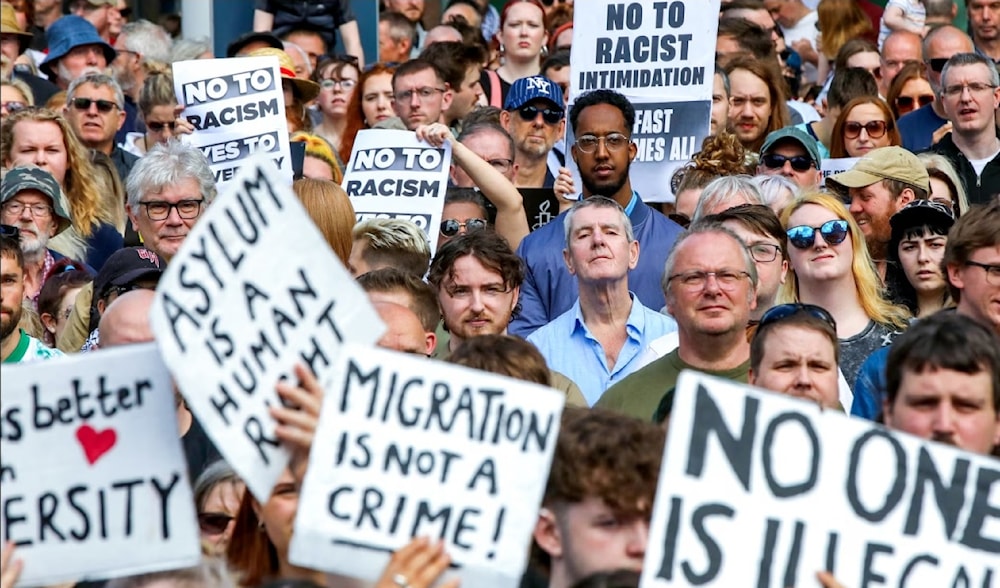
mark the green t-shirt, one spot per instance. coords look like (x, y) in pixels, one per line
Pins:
(639, 394)
(30, 349)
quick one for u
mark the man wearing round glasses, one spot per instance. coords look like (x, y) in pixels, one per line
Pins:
(970, 97)
(877, 187)
(792, 153)
(534, 117)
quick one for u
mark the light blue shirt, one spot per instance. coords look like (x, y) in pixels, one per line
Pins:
(571, 349)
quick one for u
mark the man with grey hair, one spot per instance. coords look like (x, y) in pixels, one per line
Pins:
(388, 242)
(597, 341)
(970, 96)
(141, 45)
(167, 192)
(710, 283)
(724, 193)
(95, 109)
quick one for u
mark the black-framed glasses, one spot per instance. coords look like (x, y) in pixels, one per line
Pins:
(874, 128)
(551, 116)
(907, 101)
(800, 163)
(157, 127)
(10, 232)
(833, 232)
(451, 227)
(783, 311)
(501, 165)
(992, 271)
(697, 280)
(332, 83)
(424, 93)
(764, 252)
(103, 106)
(681, 219)
(186, 209)
(15, 208)
(213, 523)
(937, 64)
(612, 141)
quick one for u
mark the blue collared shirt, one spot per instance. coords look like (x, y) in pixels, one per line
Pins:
(571, 349)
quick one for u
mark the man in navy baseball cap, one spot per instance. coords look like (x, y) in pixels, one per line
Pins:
(534, 116)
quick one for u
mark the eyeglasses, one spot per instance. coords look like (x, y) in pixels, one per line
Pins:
(974, 87)
(157, 127)
(186, 209)
(764, 252)
(907, 101)
(451, 227)
(10, 232)
(992, 271)
(681, 219)
(697, 280)
(37, 210)
(783, 311)
(331, 83)
(937, 64)
(14, 106)
(800, 163)
(833, 232)
(213, 523)
(424, 93)
(103, 106)
(874, 128)
(501, 165)
(612, 142)
(551, 116)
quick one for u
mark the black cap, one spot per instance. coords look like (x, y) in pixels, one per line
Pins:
(253, 37)
(125, 267)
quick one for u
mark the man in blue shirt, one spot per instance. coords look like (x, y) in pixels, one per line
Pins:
(602, 122)
(598, 340)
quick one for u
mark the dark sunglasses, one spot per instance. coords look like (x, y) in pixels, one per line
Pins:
(103, 106)
(451, 227)
(681, 219)
(157, 127)
(551, 116)
(833, 232)
(783, 311)
(10, 231)
(937, 64)
(213, 523)
(907, 101)
(800, 163)
(874, 128)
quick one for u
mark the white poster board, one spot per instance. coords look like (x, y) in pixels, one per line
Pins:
(237, 108)
(81, 496)
(837, 165)
(661, 56)
(254, 289)
(393, 175)
(408, 448)
(759, 489)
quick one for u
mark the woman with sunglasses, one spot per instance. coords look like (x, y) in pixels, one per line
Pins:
(831, 268)
(370, 104)
(910, 90)
(338, 80)
(864, 124)
(159, 111)
(14, 95)
(217, 496)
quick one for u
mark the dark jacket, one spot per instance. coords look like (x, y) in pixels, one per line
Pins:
(979, 188)
(322, 17)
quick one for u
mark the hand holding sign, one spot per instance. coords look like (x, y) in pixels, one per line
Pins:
(418, 565)
(297, 426)
(10, 568)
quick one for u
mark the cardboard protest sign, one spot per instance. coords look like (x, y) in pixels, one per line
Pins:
(407, 448)
(393, 175)
(760, 489)
(93, 479)
(254, 289)
(661, 56)
(835, 166)
(237, 108)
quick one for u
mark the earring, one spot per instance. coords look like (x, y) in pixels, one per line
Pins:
(545, 51)
(503, 50)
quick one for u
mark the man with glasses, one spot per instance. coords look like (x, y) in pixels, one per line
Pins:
(420, 95)
(792, 153)
(972, 261)
(139, 44)
(533, 115)
(710, 283)
(602, 123)
(878, 186)
(492, 144)
(36, 206)
(95, 109)
(926, 125)
(16, 346)
(970, 97)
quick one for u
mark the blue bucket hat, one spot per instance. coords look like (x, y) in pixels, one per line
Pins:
(67, 33)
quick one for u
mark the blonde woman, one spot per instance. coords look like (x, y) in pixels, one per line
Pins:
(830, 267)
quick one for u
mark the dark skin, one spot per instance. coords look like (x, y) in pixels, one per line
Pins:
(604, 172)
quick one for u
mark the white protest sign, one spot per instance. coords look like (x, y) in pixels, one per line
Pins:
(254, 289)
(393, 175)
(237, 108)
(837, 165)
(93, 479)
(661, 56)
(406, 447)
(763, 490)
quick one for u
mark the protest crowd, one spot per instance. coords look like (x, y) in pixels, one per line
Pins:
(560, 291)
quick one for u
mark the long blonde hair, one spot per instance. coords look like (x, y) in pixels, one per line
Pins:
(870, 290)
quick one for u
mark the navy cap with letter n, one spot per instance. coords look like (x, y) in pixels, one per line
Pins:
(525, 90)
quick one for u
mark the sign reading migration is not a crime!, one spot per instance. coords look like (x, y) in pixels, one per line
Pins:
(81, 498)
(759, 489)
(254, 289)
(405, 451)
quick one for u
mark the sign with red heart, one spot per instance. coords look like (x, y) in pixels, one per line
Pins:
(95, 443)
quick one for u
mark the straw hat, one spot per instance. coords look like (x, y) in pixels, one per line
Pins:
(307, 89)
(9, 26)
